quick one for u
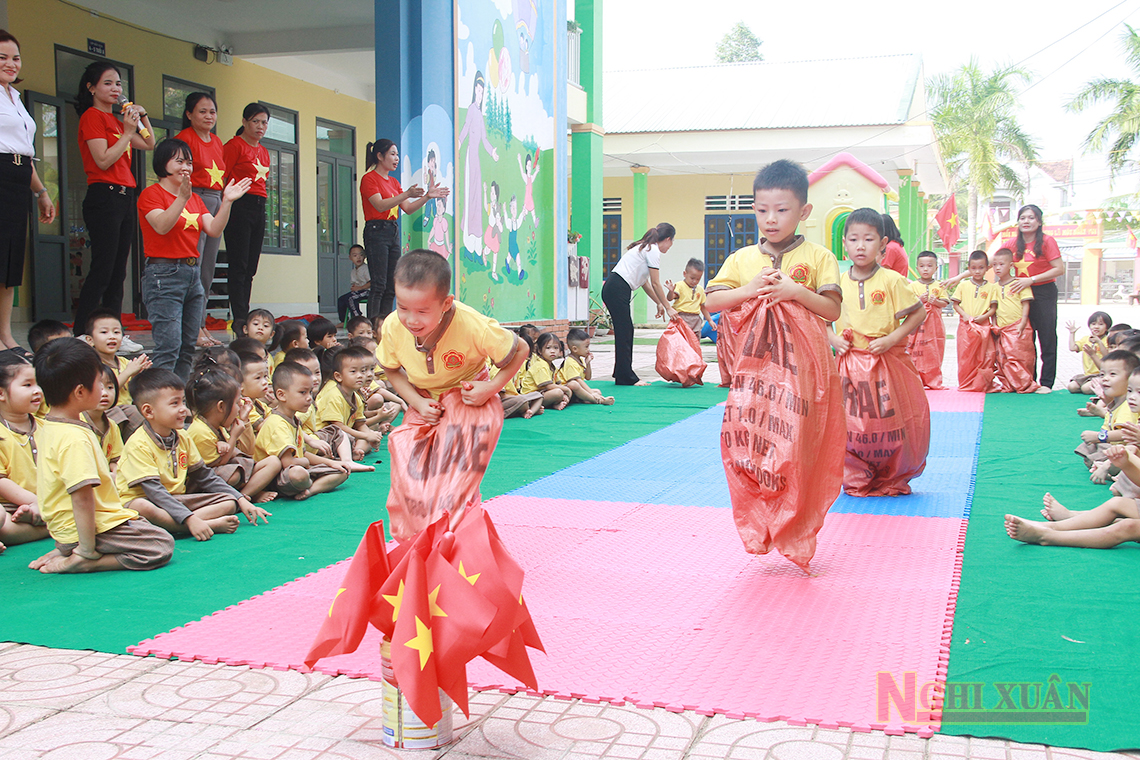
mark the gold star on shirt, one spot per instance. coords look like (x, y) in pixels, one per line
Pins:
(191, 220)
(261, 171)
(117, 138)
(216, 174)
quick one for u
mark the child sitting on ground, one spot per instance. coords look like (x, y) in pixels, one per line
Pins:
(292, 333)
(259, 325)
(1092, 350)
(927, 344)
(321, 333)
(381, 406)
(688, 297)
(359, 283)
(46, 330)
(975, 302)
(221, 420)
(576, 370)
(539, 373)
(340, 405)
(20, 397)
(302, 474)
(326, 440)
(104, 332)
(110, 437)
(359, 327)
(163, 477)
(1115, 368)
(1017, 357)
(255, 387)
(77, 496)
(249, 346)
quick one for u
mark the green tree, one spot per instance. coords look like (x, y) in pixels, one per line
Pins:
(739, 45)
(1121, 128)
(977, 132)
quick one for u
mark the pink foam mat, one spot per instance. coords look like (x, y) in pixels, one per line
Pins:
(660, 606)
(954, 400)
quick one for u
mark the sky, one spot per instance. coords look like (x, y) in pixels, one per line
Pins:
(1043, 37)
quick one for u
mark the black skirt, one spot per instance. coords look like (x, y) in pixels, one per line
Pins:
(15, 209)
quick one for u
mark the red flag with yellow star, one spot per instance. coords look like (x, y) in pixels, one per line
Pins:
(413, 646)
(949, 229)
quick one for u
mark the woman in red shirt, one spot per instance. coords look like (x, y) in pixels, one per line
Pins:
(894, 255)
(1039, 264)
(105, 145)
(198, 120)
(173, 218)
(383, 199)
(246, 158)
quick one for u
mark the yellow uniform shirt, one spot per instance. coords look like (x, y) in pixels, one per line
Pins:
(1010, 303)
(974, 299)
(310, 421)
(876, 306)
(536, 373)
(334, 406)
(808, 264)
(1119, 415)
(512, 386)
(206, 439)
(1089, 365)
(275, 360)
(259, 412)
(18, 456)
(111, 440)
(69, 459)
(144, 457)
(572, 368)
(279, 436)
(689, 300)
(124, 394)
(933, 291)
(467, 340)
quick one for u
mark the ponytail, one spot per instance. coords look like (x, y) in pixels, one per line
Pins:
(253, 109)
(655, 235)
(91, 76)
(210, 385)
(374, 150)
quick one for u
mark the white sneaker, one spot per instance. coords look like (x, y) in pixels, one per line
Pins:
(129, 346)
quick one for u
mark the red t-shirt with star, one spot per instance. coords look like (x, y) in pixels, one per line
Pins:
(388, 187)
(100, 125)
(243, 160)
(182, 240)
(209, 160)
(1033, 264)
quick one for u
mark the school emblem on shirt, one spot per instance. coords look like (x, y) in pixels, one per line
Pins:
(800, 273)
(878, 298)
(183, 460)
(453, 360)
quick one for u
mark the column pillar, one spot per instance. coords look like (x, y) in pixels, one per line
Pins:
(1090, 274)
(907, 200)
(640, 225)
(586, 196)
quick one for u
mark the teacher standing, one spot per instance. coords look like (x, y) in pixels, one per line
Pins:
(246, 158)
(638, 268)
(1040, 265)
(17, 177)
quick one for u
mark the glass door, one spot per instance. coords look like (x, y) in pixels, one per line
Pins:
(326, 237)
(50, 245)
(336, 210)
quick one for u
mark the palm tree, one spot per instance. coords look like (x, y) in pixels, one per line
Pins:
(1122, 126)
(973, 114)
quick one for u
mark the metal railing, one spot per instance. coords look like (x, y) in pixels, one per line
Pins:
(574, 56)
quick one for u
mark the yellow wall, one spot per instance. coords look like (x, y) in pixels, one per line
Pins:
(42, 24)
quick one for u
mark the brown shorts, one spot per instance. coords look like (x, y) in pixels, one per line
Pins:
(514, 406)
(1092, 453)
(240, 464)
(1125, 487)
(285, 486)
(332, 435)
(193, 501)
(136, 544)
(694, 321)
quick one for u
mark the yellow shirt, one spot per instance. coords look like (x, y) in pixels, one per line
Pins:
(121, 363)
(689, 300)
(206, 439)
(333, 406)
(1089, 365)
(467, 341)
(537, 372)
(70, 458)
(145, 457)
(874, 307)
(933, 291)
(275, 360)
(1116, 417)
(572, 368)
(279, 436)
(260, 411)
(974, 299)
(111, 440)
(512, 386)
(808, 264)
(18, 456)
(1010, 304)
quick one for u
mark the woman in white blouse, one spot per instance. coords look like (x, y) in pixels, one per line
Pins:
(638, 268)
(17, 177)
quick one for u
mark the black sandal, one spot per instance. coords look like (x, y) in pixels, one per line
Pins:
(21, 352)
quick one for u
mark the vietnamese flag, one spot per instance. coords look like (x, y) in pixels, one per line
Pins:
(948, 226)
(1132, 241)
(348, 614)
(414, 658)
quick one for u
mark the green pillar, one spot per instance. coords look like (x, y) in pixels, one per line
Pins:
(908, 199)
(586, 144)
(641, 312)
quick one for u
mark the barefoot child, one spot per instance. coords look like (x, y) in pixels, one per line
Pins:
(1115, 368)
(221, 420)
(20, 397)
(1092, 350)
(1017, 356)
(688, 297)
(302, 474)
(927, 344)
(538, 377)
(975, 302)
(163, 477)
(78, 499)
(110, 437)
(340, 405)
(576, 370)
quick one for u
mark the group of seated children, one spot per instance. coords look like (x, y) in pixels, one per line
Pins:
(543, 382)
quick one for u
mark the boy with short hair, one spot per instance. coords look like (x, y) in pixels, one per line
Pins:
(47, 330)
(104, 332)
(162, 476)
(688, 297)
(576, 370)
(1116, 368)
(975, 302)
(1017, 356)
(77, 497)
(259, 325)
(927, 344)
(328, 441)
(359, 327)
(340, 405)
(255, 387)
(302, 474)
(249, 346)
(322, 334)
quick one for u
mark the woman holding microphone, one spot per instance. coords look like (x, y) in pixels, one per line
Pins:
(246, 158)
(17, 177)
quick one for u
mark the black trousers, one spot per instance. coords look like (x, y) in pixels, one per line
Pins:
(111, 218)
(617, 295)
(1043, 317)
(245, 234)
(382, 252)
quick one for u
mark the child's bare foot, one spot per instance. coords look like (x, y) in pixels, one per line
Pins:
(1054, 510)
(303, 495)
(28, 515)
(1085, 413)
(61, 564)
(265, 497)
(39, 562)
(3, 548)
(385, 428)
(534, 408)
(607, 400)
(225, 524)
(641, 383)
(359, 467)
(1025, 530)
(563, 404)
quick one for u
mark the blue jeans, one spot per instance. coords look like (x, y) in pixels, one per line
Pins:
(174, 302)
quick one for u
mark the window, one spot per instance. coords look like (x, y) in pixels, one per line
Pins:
(611, 205)
(281, 184)
(611, 242)
(336, 138)
(728, 202)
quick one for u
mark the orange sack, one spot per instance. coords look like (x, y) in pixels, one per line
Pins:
(1017, 358)
(927, 348)
(438, 468)
(977, 357)
(679, 357)
(888, 422)
(725, 348)
(782, 435)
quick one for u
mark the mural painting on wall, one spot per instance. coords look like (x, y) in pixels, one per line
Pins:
(504, 193)
(428, 139)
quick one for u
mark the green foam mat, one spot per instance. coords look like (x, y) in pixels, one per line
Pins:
(111, 611)
(1039, 615)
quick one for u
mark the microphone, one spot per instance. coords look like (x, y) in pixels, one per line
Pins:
(124, 104)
